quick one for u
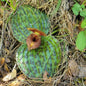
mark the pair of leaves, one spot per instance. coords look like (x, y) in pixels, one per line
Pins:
(79, 8)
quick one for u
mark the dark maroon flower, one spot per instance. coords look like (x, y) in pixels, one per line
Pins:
(33, 41)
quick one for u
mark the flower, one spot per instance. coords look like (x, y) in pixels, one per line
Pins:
(34, 40)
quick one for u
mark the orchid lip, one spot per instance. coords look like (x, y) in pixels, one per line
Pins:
(33, 41)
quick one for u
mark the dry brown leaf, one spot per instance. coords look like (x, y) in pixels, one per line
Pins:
(1, 11)
(85, 82)
(73, 67)
(6, 67)
(1, 22)
(79, 27)
(21, 77)
(2, 85)
(19, 81)
(45, 78)
(2, 60)
(15, 83)
(10, 76)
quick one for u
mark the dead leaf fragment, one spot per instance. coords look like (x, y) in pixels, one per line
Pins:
(73, 67)
(18, 81)
(21, 77)
(2, 60)
(82, 72)
(2, 85)
(6, 67)
(45, 78)
(1, 22)
(85, 82)
(1, 12)
(10, 76)
(15, 83)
